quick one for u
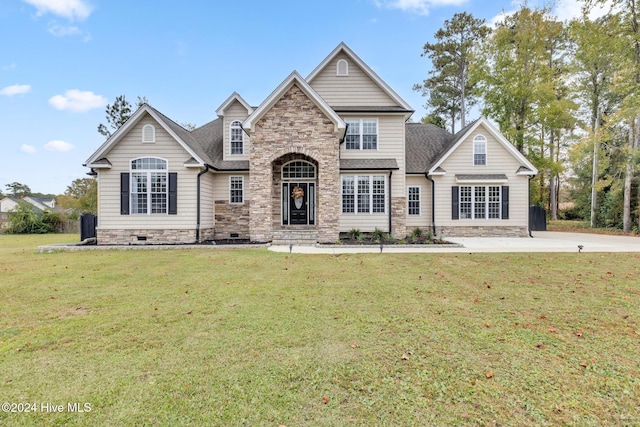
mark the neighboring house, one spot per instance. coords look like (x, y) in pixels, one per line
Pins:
(8, 205)
(319, 156)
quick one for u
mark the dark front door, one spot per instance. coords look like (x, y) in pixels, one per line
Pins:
(299, 203)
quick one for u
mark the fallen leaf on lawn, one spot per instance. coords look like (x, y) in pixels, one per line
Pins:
(325, 399)
(489, 374)
(354, 345)
(405, 357)
(584, 365)
(552, 328)
(543, 316)
(476, 300)
(579, 333)
(540, 346)
(486, 325)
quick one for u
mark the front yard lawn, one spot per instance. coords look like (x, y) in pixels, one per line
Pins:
(216, 336)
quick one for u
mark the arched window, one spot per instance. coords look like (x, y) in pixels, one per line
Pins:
(479, 150)
(236, 138)
(149, 186)
(343, 68)
(298, 169)
(148, 134)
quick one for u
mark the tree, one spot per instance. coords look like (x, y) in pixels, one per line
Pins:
(118, 113)
(435, 120)
(85, 191)
(449, 87)
(17, 189)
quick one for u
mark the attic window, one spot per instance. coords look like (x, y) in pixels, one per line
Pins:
(479, 150)
(148, 134)
(343, 68)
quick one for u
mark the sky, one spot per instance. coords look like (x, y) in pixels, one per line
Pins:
(63, 61)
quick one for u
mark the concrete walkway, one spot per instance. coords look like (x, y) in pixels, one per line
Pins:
(542, 241)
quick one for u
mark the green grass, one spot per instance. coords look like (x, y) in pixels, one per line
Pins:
(251, 337)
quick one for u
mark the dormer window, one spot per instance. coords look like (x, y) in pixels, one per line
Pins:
(148, 134)
(343, 68)
(236, 138)
(479, 150)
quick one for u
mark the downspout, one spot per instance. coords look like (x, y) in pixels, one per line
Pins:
(202, 172)
(390, 201)
(433, 202)
(529, 205)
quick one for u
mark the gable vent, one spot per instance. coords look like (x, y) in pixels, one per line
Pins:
(343, 68)
(148, 134)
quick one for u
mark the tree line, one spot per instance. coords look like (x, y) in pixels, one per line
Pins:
(566, 94)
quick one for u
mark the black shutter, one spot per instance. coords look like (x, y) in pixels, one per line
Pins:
(455, 203)
(124, 193)
(173, 193)
(505, 202)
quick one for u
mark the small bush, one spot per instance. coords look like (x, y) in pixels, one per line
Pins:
(354, 234)
(378, 235)
(23, 220)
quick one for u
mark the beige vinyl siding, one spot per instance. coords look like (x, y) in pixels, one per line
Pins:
(391, 136)
(221, 185)
(356, 89)
(424, 220)
(129, 148)
(235, 111)
(499, 161)
(207, 207)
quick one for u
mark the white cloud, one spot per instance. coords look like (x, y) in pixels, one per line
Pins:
(57, 145)
(564, 10)
(26, 148)
(63, 31)
(420, 7)
(78, 101)
(70, 9)
(15, 90)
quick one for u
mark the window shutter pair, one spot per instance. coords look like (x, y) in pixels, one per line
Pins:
(125, 188)
(455, 202)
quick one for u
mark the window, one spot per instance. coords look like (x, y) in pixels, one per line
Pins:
(413, 200)
(480, 202)
(342, 68)
(149, 186)
(236, 193)
(362, 134)
(479, 150)
(298, 169)
(237, 138)
(148, 134)
(363, 194)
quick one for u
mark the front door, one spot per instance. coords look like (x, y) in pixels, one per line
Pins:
(298, 200)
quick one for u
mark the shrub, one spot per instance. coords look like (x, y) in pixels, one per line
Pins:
(23, 220)
(354, 234)
(378, 235)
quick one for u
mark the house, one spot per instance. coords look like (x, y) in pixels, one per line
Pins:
(9, 204)
(319, 156)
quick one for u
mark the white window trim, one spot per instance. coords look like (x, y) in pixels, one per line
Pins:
(231, 178)
(236, 124)
(346, 68)
(361, 134)
(477, 140)
(486, 203)
(371, 194)
(145, 129)
(419, 201)
(148, 173)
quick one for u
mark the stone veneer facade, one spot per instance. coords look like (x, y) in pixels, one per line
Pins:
(232, 219)
(151, 236)
(482, 231)
(294, 125)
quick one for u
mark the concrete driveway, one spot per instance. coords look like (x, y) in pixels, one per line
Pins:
(542, 241)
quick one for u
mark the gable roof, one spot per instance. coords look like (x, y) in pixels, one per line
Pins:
(210, 138)
(230, 100)
(342, 47)
(180, 134)
(467, 130)
(294, 79)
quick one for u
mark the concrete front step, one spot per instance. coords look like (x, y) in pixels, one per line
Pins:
(297, 237)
